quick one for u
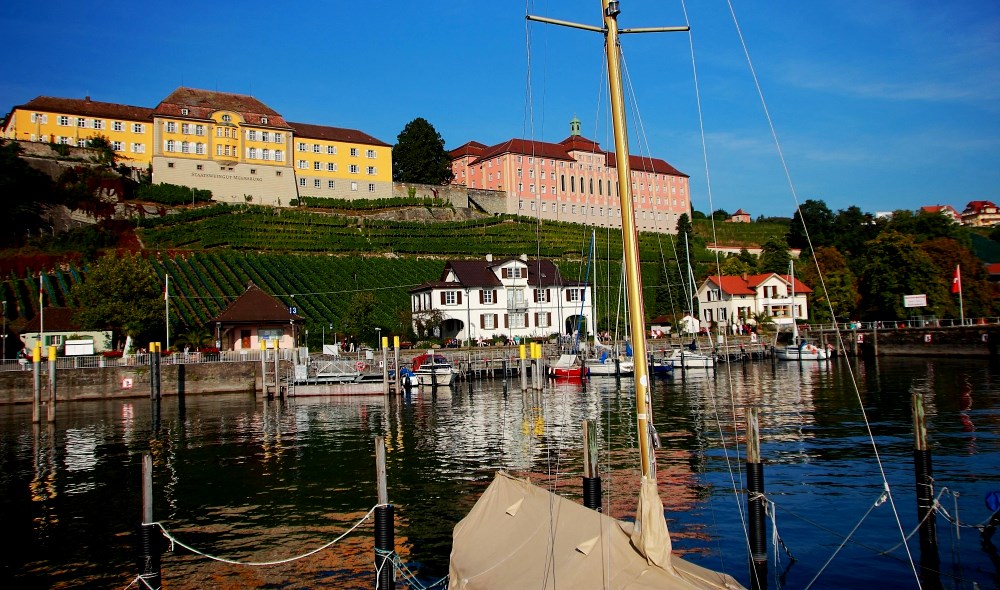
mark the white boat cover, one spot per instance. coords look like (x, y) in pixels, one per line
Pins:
(521, 536)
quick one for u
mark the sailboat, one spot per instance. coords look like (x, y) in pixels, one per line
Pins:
(800, 349)
(688, 357)
(520, 535)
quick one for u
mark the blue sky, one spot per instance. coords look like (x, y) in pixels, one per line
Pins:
(883, 105)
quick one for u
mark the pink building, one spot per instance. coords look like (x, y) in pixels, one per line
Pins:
(574, 181)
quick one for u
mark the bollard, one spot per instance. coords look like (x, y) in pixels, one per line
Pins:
(929, 559)
(385, 536)
(52, 384)
(149, 568)
(591, 479)
(523, 369)
(395, 353)
(385, 365)
(36, 407)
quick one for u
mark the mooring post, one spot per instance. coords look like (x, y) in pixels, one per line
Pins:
(385, 365)
(154, 371)
(385, 535)
(277, 381)
(52, 384)
(591, 476)
(36, 407)
(149, 569)
(536, 367)
(523, 368)
(755, 494)
(926, 515)
(875, 338)
(395, 360)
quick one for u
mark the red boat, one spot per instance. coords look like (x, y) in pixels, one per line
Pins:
(568, 367)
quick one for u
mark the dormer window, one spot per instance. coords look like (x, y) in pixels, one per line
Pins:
(226, 118)
(185, 112)
(263, 120)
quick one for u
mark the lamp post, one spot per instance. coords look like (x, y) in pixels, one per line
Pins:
(4, 329)
(378, 338)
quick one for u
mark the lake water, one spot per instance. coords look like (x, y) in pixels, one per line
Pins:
(259, 481)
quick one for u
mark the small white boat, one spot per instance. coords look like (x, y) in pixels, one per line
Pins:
(433, 369)
(690, 359)
(803, 351)
(606, 366)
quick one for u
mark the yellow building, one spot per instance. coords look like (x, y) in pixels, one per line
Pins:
(231, 144)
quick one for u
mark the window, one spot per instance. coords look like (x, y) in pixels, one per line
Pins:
(354, 152)
(354, 169)
(81, 122)
(265, 154)
(302, 146)
(277, 172)
(218, 149)
(138, 128)
(64, 121)
(517, 320)
(488, 321)
(171, 127)
(263, 121)
(265, 136)
(302, 182)
(316, 166)
(316, 183)
(199, 130)
(117, 126)
(185, 147)
(252, 134)
(185, 128)
(185, 111)
(117, 146)
(354, 186)
(303, 164)
(279, 156)
(199, 148)
(330, 184)
(543, 296)
(488, 296)
(331, 149)
(315, 148)
(252, 153)
(371, 153)
(227, 118)
(138, 148)
(371, 170)
(371, 187)
(450, 297)
(331, 167)
(170, 145)
(278, 138)
(543, 319)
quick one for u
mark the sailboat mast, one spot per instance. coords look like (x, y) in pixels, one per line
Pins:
(630, 241)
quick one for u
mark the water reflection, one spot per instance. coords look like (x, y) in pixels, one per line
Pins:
(260, 480)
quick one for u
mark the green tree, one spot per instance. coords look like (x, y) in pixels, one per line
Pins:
(978, 296)
(774, 257)
(720, 215)
(419, 155)
(851, 229)
(813, 219)
(838, 289)
(104, 152)
(736, 266)
(121, 291)
(360, 318)
(892, 267)
(194, 337)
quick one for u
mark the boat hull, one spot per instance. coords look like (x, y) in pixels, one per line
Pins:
(608, 369)
(683, 359)
(801, 353)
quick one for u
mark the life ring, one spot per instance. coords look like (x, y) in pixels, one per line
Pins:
(360, 366)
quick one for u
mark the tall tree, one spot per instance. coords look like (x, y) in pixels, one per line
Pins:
(851, 229)
(419, 155)
(892, 267)
(121, 291)
(837, 290)
(774, 257)
(27, 194)
(815, 217)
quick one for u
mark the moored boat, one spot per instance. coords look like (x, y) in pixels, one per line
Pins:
(568, 366)
(433, 369)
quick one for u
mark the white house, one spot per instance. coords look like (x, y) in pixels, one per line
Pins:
(729, 300)
(515, 297)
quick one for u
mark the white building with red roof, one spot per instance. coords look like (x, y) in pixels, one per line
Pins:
(730, 299)
(981, 214)
(512, 297)
(574, 181)
(946, 210)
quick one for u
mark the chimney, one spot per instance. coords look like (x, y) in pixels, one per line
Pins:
(524, 257)
(746, 277)
(87, 98)
(489, 258)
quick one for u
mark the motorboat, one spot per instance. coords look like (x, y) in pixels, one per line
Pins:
(433, 369)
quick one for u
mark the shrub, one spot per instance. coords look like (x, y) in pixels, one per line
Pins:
(172, 194)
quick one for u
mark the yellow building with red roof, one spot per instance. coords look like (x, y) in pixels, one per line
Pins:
(232, 144)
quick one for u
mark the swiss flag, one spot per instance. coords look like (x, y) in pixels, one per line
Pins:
(956, 282)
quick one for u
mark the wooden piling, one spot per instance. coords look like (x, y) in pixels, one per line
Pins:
(148, 537)
(385, 536)
(755, 488)
(52, 384)
(929, 559)
(591, 476)
(36, 407)
(385, 365)
(395, 362)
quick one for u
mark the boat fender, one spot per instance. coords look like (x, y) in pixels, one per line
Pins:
(360, 366)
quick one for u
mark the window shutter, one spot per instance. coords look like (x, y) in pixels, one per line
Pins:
(494, 295)
(442, 297)
(503, 273)
(536, 295)
(506, 321)
(568, 298)
(548, 296)
(536, 319)
(481, 295)
(482, 320)
(459, 297)
(548, 319)
(495, 317)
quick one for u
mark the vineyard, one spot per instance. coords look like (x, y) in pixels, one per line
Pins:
(321, 288)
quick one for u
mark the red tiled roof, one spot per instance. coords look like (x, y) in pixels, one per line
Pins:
(644, 164)
(580, 143)
(202, 103)
(737, 285)
(305, 130)
(479, 274)
(57, 319)
(256, 306)
(993, 268)
(978, 206)
(88, 108)
(740, 212)
(472, 148)
(539, 149)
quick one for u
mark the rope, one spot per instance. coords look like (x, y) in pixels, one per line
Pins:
(407, 573)
(174, 541)
(878, 502)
